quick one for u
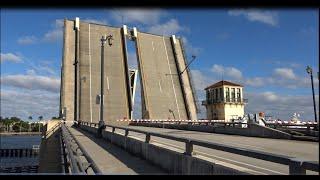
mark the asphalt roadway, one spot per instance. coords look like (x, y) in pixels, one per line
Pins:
(300, 149)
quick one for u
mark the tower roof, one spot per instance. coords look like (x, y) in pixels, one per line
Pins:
(221, 83)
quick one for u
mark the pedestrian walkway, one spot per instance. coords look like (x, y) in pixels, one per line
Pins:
(111, 159)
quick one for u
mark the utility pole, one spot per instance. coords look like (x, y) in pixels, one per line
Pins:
(76, 28)
(309, 71)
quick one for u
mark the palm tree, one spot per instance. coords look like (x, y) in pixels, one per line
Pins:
(30, 118)
(40, 118)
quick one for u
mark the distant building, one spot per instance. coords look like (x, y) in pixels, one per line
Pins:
(224, 101)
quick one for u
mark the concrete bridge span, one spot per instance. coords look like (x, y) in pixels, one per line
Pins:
(146, 150)
(167, 90)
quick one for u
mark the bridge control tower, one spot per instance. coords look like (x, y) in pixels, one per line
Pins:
(224, 101)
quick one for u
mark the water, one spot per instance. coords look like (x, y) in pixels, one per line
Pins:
(18, 142)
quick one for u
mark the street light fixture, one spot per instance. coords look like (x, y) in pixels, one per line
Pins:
(104, 39)
(309, 71)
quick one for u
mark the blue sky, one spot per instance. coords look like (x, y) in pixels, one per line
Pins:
(265, 50)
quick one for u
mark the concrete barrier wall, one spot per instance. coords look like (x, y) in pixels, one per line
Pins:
(169, 160)
(253, 130)
(50, 149)
(263, 131)
(89, 129)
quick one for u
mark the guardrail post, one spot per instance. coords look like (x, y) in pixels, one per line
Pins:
(148, 138)
(113, 129)
(295, 167)
(126, 133)
(189, 148)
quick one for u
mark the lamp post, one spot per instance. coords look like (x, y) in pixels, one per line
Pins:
(309, 71)
(104, 39)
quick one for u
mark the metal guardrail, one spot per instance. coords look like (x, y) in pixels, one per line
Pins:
(292, 125)
(78, 160)
(192, 122)
(178, 121)
(296, 166)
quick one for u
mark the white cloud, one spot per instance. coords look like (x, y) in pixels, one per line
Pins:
(56, 33)
(44, 67)
(143, 16)
(191, 49)
(234, 73)
(32, 82)
(230, 72)
(58, 23)
(286, 73)
(31, 72)
(280, 77)
(218, 69)
(201, 81)
(255, 82)
(270, 96)
(29, 102)
(281, 106)
(10, 57)
(267, 17)
(171, 27)
(53, 35)
(27, 40)
(96, 21)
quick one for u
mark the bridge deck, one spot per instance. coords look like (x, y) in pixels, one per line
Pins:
(300, 149)
(112, 159)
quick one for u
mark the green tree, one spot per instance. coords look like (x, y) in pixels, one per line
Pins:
(40, 118)
(30, 118)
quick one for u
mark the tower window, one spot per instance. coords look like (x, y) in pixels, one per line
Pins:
(227, 94)
(233, 95)
(238, 95)
(221, 94)
(216, 95)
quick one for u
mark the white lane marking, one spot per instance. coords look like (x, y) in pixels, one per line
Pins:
(152, 46)
(246, 145)
(210, 155)
(174, 90)
(160, 86)
(108, 82)
(90, 77)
